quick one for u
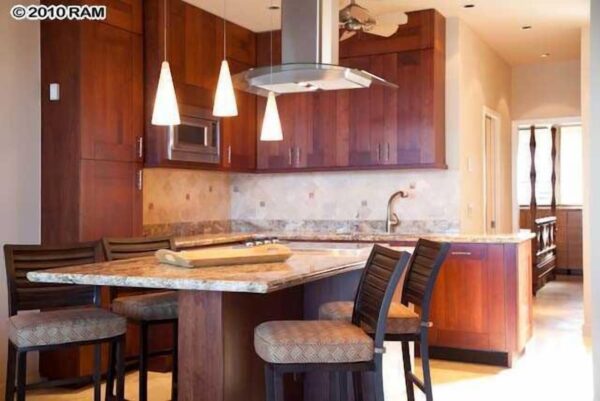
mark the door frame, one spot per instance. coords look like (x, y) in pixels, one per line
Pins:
(497, 124)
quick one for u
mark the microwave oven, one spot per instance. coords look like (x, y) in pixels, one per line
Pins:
(197, 139)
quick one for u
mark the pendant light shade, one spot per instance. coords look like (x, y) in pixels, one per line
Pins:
(271, 125)
(165, 110)
(225, 104)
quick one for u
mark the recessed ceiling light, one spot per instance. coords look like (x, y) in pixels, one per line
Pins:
(545, 55)
(526, 27)
(469, 6)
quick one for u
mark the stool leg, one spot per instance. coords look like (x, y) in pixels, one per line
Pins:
(11, 366)
(269, 383)
(175, 359)
(357, 386)
(378, 379)
(426, 369)
(96, 376)
(120, 368)
(344, 386)
(21, 374)
(110, 372)
(143, 362)
(278, 386)
(334, 386)
(410, 390)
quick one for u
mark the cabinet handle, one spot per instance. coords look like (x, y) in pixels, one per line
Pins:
(140, 180)
(461, 253)
(291, 156)
(387, 149)
(140, 147)
(229, 154)
(378, 152)
(298, 150)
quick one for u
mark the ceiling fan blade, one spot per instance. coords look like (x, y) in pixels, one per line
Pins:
(347, 35)
(383, 30)
(394, 18)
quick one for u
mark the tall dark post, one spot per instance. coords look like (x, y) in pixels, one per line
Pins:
(533, 178)
(554, 153)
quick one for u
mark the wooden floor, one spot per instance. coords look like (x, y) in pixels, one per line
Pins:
(557, 365)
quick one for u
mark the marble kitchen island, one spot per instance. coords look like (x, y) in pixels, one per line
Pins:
(220, 306)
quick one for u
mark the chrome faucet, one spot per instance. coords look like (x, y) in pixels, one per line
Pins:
(392, 219)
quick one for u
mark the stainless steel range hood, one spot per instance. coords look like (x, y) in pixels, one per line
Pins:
(310, 39)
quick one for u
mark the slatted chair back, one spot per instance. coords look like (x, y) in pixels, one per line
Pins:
(422, 273)
(379, 280)
(127, 248)
(26, 295)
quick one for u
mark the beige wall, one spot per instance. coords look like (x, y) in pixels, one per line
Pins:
(19, 145)
(484, 81)
(546, 90)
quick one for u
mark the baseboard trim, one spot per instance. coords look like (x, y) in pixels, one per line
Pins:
(492, 358)
(569, 272)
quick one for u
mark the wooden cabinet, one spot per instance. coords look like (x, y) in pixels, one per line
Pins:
(91, 164)
(372, 128)
(195, 52)
(482, 303)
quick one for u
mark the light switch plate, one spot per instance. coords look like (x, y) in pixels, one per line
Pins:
(54, 92)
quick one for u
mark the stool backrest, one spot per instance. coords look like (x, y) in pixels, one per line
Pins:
(422, 273)
(127, 248)
(26, 295)
(376, 289)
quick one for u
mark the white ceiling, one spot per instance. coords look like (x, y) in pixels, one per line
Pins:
(556, 23)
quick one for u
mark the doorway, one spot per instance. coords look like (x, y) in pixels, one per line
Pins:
(491, 158)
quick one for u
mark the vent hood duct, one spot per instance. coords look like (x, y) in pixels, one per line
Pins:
(309, 41)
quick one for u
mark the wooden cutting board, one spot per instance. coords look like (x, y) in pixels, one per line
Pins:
(270, 253)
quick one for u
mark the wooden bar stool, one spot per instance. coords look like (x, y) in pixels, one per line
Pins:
(403, 324)
(337, 347)
(70, 316)
(145, 310)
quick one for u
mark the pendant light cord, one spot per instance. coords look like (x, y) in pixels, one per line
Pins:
(224, 30)
(165, 30)
(271, 43)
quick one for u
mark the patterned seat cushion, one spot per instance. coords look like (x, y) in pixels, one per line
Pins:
(156, 306)
(401, 320)
(312, 342)
(64, 326)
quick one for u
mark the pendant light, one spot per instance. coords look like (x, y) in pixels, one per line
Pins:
(271, 126)
(225, 104)
(166, 111)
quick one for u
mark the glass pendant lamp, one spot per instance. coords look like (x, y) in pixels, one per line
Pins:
(166, 111)
(271, 126)
(225, 104)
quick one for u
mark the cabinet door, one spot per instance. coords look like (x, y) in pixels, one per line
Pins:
(111, 93)
(468, 307)
(277, 155)
(111, 195)
(239, 133)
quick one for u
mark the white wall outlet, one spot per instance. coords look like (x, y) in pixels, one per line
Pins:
(54, 92)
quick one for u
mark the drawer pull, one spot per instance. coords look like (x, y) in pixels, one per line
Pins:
(461, 253)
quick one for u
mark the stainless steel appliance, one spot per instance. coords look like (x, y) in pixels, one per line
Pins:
(196, 139)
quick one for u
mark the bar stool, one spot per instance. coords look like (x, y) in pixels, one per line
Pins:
(145, 310)
(403, 324)
(70, 316)
(337, 347)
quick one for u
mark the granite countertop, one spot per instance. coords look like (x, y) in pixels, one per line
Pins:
(147, 272)
(216, 239)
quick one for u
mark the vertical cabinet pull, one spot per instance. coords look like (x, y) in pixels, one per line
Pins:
(140, 180)
(140, 147)
(378, 152)
(298, 150)
(387, 150)
(229, 154)
(290, 161)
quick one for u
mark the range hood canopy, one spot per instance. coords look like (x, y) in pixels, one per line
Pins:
(310, 40)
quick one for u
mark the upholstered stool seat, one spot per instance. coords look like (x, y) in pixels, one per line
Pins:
(155, 306)
(401, 320)
(292, 342)
(64, 327)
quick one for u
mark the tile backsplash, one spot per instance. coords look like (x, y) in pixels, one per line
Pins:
(189, 201)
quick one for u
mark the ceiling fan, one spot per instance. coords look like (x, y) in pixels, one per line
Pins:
(355, 18)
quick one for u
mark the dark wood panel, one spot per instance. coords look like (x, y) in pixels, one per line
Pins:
(103, 185)
(111, 93)
(123, 14)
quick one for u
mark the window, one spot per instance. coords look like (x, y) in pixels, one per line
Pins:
(569, 166)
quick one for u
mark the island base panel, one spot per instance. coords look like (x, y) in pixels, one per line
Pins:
(217, 361)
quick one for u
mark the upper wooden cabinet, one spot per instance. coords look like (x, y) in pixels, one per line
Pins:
(372, 128)
(195, 52)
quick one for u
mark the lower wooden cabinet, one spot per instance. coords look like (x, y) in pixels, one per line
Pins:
(482, 303)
